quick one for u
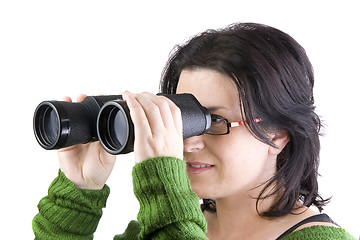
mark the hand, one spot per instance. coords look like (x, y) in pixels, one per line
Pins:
(158, 126)
(86, 165)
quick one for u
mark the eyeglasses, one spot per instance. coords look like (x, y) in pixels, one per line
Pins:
(221, 126)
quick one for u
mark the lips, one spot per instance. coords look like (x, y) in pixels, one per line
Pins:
(198, 167)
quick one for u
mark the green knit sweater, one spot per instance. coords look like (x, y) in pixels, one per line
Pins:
(168, 208)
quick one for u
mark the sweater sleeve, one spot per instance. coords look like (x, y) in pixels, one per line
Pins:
(319, 233)
(169, 209)
(68, 212)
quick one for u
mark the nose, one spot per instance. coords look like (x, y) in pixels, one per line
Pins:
(193, 144)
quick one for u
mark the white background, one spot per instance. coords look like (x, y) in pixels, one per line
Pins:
(49, 49)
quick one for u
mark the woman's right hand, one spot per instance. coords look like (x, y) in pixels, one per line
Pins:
(88, 166)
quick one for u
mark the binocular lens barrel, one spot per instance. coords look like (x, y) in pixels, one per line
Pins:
(60, 124)
(47, 125)
(115, 128)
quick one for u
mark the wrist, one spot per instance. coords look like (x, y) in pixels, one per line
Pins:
(83, 184)
(103, 190)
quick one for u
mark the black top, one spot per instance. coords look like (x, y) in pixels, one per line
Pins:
(316, 218)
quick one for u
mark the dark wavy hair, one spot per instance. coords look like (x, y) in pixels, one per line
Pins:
(275, 80)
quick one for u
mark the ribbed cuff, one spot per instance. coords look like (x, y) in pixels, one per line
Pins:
(65, 189)
(163, 189)
(70, 210)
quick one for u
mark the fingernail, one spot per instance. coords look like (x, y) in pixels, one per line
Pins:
(127, 92)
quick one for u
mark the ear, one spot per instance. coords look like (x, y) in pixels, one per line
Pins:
(280, 139)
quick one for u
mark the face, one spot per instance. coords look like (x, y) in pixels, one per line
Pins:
(225, 165)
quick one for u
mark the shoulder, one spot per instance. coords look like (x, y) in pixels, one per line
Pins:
(319, 232)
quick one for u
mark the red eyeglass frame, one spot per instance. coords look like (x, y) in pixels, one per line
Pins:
(241, 123)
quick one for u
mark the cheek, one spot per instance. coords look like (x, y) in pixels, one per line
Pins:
(245, 149)
(243, 162)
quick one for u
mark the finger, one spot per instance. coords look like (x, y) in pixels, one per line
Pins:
(66, 99)
(175, 115)
(157, 112)
(170, 113)
(80, 98)
(137, 114)
(177, 118)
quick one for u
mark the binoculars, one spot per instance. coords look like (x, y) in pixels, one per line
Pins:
(106, 119)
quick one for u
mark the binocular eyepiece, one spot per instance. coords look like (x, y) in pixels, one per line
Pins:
(60, 124)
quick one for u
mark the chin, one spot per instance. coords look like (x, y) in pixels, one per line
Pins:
(202, 192)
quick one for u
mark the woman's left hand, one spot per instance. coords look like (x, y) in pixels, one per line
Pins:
(158, 126)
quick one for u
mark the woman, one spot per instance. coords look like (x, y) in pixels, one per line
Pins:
(256, 168)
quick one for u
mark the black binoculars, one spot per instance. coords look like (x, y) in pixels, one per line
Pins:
(60, 124)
